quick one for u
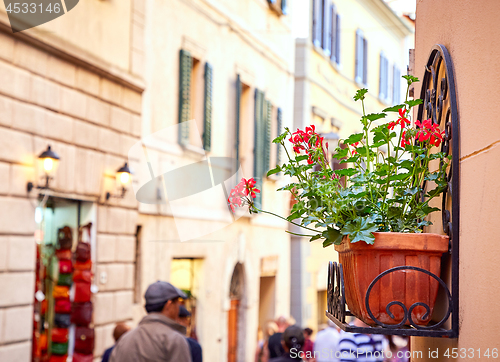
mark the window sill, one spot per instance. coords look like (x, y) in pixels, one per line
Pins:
(194, 151)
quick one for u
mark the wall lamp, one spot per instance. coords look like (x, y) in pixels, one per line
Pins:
(123, 180)
(48, 161)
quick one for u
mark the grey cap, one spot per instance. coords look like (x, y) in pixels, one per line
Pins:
(160, 292)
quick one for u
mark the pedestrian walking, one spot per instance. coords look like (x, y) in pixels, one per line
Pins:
(362, 347)
(326, 345)
(262, 353)
(120, 330)
(293, 341)
(158, 337)
(194, 346)
(308, 347)
(275, 345)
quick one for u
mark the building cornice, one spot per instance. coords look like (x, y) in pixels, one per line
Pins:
(72, 54)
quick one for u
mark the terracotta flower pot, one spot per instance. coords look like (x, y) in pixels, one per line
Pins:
(362, 263)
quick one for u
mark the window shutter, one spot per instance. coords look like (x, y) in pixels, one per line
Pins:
(365, 61)
(279, 121)
(357, 61)
(267, 138)
(381, 76)
(337, 39)
(317, 22)
(325, 26)
(238, 115)
(186, 65)
(259, 144)
(207, 124)
(284, 7)
(333, 26)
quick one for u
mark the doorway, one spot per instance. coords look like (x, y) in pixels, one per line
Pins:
(235, 318)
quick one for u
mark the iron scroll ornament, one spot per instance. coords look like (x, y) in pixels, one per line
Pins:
(440, 105)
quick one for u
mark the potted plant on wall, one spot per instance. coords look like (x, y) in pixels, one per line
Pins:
(374, 210)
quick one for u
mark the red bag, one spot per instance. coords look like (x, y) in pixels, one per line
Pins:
(60, 335)
(56, 358)
(65, 238)
(83, 265)
(83, 251)
(82, 276)
(81, 313)
(84, 340)
(78, 357)
(63, 254)
(65, 266)
(62, 306)
(82, 292)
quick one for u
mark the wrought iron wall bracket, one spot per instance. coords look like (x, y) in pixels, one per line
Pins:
(440, 105)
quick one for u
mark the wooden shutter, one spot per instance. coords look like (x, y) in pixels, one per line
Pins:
(337, 39)
(267, 138)
(333, 40)
(317, 22)
(380, 79)
(259, 144)
(207, 124)
(238, 117)
(279, 121)
(365, 61)
(186, 66)
(357, 60)
(326, 24)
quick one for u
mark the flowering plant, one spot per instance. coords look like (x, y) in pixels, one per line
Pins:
(381, 187)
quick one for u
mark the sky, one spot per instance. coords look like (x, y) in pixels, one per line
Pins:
(300, 14)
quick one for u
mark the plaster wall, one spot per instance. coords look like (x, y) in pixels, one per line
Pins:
(470, 33)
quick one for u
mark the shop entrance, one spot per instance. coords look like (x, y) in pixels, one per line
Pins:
(64, 277)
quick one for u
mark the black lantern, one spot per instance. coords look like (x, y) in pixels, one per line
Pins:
(123, 180)
(48, 162)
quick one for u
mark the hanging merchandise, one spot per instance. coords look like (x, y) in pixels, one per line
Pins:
(81, 313)
(60, 335)
(65, 238)
(78, 357)
(63, 306)
(62, 320)
(84, 340)
(65, 279)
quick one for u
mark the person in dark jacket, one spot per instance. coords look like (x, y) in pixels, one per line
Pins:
(158, 337)
(194, 346)
(293, 341)
(274, 343)
(120, 330)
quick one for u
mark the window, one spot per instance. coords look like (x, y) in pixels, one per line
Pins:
(195, 100)
(244, 128)
(383, 92)
(326, 28)
(335, 34)
(262, 141)
(361, 58)
(396, 86)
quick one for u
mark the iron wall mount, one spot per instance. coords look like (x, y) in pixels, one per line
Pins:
(440, 105)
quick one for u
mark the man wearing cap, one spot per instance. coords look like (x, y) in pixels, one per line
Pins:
(194, 346)
(158, 337)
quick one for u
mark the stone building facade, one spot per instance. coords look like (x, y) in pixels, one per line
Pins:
(75, 84)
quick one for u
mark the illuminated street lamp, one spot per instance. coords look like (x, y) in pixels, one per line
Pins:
(123, 180)
(48, 161)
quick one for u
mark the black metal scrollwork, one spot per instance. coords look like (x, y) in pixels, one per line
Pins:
(440, 105)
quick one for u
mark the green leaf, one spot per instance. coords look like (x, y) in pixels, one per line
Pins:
(301, 158)
(375, 116)
(332, 236)
(414, 102)
(346, 172)
(360, 229)
(394, 108)
(341, 153)
(399, 176)
(315, 237)
(274, 170)
(353, 138)
(360, 94)
(280, 138)
(410, 79)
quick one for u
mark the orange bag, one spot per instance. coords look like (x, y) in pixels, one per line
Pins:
(87, 265)
(60, 292)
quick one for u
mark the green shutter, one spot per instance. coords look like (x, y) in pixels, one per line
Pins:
(207, 124)
(238, 115)
(185, 68)
(267, 138)
(259, 144)
(279, 131)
